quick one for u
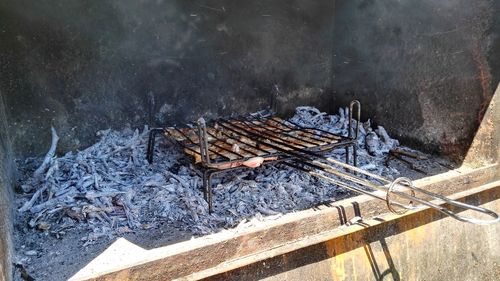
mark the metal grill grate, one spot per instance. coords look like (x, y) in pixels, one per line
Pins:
(250, 141)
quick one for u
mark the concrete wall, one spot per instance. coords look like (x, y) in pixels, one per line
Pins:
(5, 197)
(425, 69)
(485, 147)
(88, 65)
(412, 247)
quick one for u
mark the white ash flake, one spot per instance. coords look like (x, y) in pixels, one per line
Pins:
(111, 188)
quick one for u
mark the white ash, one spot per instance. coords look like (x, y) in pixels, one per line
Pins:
(376, 142)
(111, 189)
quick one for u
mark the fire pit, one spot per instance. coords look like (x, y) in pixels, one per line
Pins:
(119, 194)
(144, 121)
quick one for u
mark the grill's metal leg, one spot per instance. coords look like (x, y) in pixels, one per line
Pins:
(207, 188)
(355, 155)
(347, 154)
(151, 144)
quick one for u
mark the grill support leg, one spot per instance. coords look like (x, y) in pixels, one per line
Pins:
(207, 188)
(355, 155)
(347, 154)
(151, 144)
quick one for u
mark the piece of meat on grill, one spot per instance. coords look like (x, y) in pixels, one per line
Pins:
(253, 162)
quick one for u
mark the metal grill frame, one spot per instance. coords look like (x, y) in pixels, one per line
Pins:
(245, 127)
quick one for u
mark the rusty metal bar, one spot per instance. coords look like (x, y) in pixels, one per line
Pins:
(200, 146)
(314, 136)
(244, 149)
(287, 132)
(333, 136)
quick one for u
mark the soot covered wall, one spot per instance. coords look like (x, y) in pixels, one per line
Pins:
(6, 170)
(82, 66)
(425, 69)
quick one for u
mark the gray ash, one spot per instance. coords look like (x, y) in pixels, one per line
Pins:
(110, 189)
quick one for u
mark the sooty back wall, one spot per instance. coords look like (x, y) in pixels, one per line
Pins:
(424, 69)
(6, 175)
(88, 65)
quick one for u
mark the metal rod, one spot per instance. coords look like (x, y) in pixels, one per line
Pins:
(306, 129)
(342, 184)
(203, 141)
(278, 145)
(274, 136)
(357, 104)
(333, 136)
(306, 160)
(245, 143)
(315, 136)
(291, 136)
(196, 144)
(151, 144)
(241, 148)
(408, 185)
(356, 169)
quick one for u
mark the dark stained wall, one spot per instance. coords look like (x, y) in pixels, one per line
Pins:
(88, 65)
(6, 171)
(425, 69)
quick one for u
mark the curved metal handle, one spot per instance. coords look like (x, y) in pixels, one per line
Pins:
(409, 184)
(392, 189)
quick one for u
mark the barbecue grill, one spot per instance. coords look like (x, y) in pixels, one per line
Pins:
(251, 140)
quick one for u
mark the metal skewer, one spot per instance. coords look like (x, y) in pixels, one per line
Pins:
(312, 163)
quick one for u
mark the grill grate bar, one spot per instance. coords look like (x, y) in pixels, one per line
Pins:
(261, 133)
(266, 153)
(237, 143)
(279, 145)
(316, 137)
(196, 145)
(286, 133)
(299, 127)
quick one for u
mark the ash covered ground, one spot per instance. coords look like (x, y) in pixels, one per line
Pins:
(71, 207)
